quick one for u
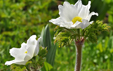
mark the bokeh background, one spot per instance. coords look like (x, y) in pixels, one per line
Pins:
(19, 19)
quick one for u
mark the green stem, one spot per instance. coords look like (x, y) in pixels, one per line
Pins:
(27, 68)
(83, 32)
(78, 34)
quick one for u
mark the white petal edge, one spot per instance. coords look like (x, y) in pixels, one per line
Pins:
(61, 22)
(84, 11)
(84, 24)
(31, 45)
(75, 24)
(18, 53)
(67, 11)
(22, 62)
(37, 47)
(90, 15)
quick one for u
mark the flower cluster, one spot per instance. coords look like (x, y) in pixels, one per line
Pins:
(26, 52)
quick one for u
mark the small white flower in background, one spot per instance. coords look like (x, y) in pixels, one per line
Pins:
(54, 38)
(26, 52)
(74, 16)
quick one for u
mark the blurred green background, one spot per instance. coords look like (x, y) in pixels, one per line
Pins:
(19, 19)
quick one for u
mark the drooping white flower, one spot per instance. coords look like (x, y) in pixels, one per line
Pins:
(74, 16)
(26, 52)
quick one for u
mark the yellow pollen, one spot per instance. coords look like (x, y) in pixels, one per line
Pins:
(76, 19)
(25, 51)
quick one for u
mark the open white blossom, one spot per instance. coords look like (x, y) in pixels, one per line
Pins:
(74, 16)
(26, 52)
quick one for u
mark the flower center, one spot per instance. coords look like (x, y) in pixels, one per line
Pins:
(76, 19)
(25, 51)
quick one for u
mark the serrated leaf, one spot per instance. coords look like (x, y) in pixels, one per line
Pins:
(18, 67)
(94, 30)
(63, 38)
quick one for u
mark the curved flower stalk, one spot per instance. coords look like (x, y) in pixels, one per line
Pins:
(74, 16)
(26, 52)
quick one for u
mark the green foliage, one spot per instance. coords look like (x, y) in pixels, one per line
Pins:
(46, 42)
(63, 35)
(96, 56)
(63, 38)
(42, 53)
(18, 68)
(94, 30)
(46, 38)
(41, 58)
(48, 67)
(91, 33)
(50, 58)
(100, 54)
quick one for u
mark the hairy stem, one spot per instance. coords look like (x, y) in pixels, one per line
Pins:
(78, 55)
(78, 33)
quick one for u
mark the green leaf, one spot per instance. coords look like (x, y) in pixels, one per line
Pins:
(63, 38)
(94, 30)
(18, 67)
(46, 38)
(99, 46)
(48, 67)
(51, 55)
(46, 42)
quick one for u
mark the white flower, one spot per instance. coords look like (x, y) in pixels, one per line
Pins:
(37, 47)
(26, 52)
(74, 16)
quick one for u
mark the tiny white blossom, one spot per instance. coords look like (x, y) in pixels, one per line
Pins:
(26, 52)
(74, 16)
(54, 38)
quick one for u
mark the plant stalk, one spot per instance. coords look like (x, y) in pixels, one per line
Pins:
(78, 45)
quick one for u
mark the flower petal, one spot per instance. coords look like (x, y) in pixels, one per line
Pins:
(90, 15)
(84, 11)
(78, 6)
(31, 45)
(31, 39)
(27, 57)
(18, 53)
(75, 24)
(61, 22)
(55, 21)
(20, 62)
(67, 11)
(37, 47)
(84, 24)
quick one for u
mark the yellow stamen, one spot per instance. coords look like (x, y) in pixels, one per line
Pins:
(25, 51)
(76, 19)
